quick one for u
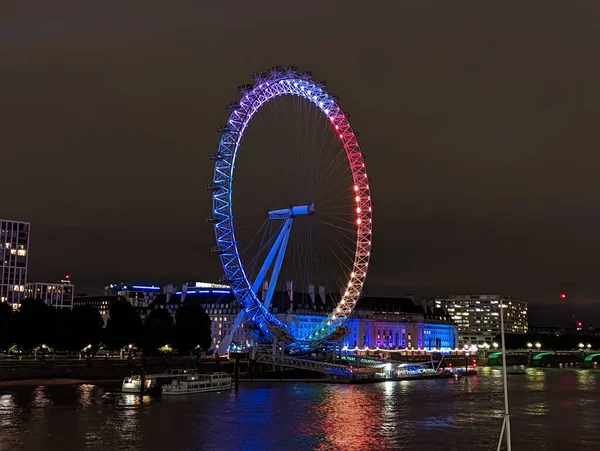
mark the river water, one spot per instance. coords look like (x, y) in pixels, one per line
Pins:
(550, 409)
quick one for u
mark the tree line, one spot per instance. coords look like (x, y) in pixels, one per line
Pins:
(37, 325)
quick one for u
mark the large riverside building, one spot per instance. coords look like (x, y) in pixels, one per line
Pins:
(392, 323)
(376, 322)
(14, 248)
(57, 295)
(477, 316)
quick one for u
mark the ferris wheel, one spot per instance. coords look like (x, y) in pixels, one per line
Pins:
(291, 206)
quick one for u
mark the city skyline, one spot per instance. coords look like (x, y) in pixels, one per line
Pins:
(482, 178)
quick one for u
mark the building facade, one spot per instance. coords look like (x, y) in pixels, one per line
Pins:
(57, 295)
(14, 249)
(477, 316)
(216, 299)
(387, 323)
(393, 323)
(376, 322)
(99, 302)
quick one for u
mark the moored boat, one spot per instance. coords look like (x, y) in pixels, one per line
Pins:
(199, 383)
(154, 382)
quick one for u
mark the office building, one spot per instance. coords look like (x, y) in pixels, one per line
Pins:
(99, 302)
(57, 295)
(477, 316)
(14, 249)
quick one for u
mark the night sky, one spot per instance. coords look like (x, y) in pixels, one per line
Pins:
(480, 123)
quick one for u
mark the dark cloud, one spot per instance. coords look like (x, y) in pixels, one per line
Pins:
(479, 122)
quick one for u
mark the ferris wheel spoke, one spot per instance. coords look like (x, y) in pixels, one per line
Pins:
(347, 234)
(345, 248)
(338, 185)
(334, 160)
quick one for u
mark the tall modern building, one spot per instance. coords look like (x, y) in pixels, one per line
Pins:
(478, 316)
(14, 249)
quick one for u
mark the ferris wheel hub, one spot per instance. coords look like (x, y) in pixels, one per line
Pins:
(296, 210)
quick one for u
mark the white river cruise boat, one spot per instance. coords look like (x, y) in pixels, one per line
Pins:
(198, 383)
(154, 382)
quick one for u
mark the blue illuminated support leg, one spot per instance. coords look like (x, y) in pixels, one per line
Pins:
(278, 263)
(285, 231)
(283, 236)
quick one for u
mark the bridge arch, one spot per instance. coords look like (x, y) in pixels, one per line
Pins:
(541, 355)
(590, 357)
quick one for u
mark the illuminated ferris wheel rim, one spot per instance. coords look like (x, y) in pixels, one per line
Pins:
(278, 82)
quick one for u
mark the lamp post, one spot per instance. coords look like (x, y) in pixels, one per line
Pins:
(506, 422)
(538, 346)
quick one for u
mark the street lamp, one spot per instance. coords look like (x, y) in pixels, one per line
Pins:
(580, 345)
(529, 345)
(130, 346)
(89, 346)
(588, 346)
(538, 345)
(495, 345)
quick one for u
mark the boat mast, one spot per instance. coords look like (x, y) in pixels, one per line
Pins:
(506, 421)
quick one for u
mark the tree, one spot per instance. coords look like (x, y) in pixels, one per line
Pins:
(61, 336)
(158, 330)
(6, 325)
(124, 325)
(192, 328)
(84, 327)
(35, 323)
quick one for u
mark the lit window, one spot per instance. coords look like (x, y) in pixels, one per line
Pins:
(22, 252)
(13, 251)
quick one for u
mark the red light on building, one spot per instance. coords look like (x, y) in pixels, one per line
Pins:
(563, 296)
(68, 277)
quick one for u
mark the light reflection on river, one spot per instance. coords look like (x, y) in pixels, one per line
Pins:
(551, 410)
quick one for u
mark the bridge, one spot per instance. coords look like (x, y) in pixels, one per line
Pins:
(304, 364)
(587, 358)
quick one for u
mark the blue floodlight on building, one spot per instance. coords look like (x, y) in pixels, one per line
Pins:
(143, 287)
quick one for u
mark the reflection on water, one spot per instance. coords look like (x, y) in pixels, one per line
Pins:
(86, 394)
(551, 410)
(40, 397)
(354, 417)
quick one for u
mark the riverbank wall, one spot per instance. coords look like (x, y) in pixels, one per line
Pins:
(101, 369)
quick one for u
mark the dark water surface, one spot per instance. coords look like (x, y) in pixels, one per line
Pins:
(551, 410)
